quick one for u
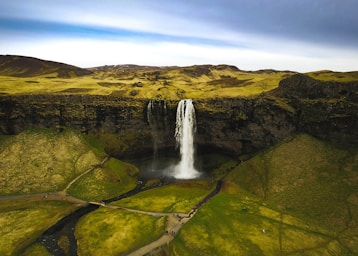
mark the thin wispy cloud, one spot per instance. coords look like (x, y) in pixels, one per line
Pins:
(251, 34)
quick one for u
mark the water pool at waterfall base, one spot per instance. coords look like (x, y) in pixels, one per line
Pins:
(164, 165)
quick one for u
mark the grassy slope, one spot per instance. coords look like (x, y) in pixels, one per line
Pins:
(114, 178)
(21, 66)
(304, 176)
(181, 197)
(115, 232)
(326, 75)
(43, 161)
(300, 192)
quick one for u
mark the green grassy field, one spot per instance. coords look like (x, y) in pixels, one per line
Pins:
(304, 176)
(171, 84)
(181, 197)
(326, 75)
(113, 179)
(116, 232)
(238, 223)
(43, 161)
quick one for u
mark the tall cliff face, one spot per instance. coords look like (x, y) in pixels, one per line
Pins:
(88, 114)
(243, 125)
(234, 125)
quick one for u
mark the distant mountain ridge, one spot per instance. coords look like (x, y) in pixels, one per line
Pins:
(21, 66)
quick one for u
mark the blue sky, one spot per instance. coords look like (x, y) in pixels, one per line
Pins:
(300, 35)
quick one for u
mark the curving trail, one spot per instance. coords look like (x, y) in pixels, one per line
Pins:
(55, 196)
(174, 223)
(85, 172)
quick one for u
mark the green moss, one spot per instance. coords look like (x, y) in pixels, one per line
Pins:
(236, 223)
(116, 232)
(303, 176)
(114, 178)
(179, 197)
(174, 84)
(43, 160)
(36, 249)
(326, 75)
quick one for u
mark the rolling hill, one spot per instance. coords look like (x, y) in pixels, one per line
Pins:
(19, 66)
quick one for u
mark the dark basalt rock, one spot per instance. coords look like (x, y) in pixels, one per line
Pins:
(302, 86)
(327, 110)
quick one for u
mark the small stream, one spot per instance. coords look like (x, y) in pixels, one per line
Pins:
(66, 226)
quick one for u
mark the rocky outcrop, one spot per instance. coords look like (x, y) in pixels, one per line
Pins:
(305, 87)
(327, 110)
(234, 125)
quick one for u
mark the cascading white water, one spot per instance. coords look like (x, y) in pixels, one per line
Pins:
(152, 125)
(184, 134)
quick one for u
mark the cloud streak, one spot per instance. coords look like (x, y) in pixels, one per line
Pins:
(299, 35)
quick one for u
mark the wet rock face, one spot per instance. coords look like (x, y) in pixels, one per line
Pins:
(237, 126)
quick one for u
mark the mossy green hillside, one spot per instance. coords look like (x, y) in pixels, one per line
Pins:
(42, 161)
(304, 176)
(237, 223)
(116, 232)
(114, 178)
(327, 75)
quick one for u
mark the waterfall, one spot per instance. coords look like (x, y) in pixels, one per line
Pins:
(157, 120)
(152, 125)
(184, 135)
